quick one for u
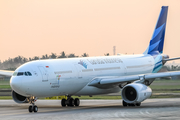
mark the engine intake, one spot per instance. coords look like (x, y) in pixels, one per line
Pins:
(130, 93)
(18, 98)
(135, 93)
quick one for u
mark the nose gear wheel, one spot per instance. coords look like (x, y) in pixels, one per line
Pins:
(33, 107)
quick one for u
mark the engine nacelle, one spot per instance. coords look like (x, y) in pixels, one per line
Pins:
(19, 98)
(135, 93)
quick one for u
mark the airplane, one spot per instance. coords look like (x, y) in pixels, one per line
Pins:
(129, 74)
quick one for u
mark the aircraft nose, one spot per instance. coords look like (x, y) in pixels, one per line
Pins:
(15, 84)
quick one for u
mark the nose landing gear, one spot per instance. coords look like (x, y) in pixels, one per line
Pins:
(33, 107)
(70, 102)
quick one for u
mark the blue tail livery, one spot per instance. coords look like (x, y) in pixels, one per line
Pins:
(157, 40)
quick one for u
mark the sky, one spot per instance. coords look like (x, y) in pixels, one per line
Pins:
(36, 27)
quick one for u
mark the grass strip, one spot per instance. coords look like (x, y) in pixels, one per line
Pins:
(99, 97)
(5, 87)
(5, 97)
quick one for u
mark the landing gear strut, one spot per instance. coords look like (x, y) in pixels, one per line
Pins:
(70, 102)
(33, 107)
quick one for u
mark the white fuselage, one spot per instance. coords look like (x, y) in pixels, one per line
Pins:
(71, 76)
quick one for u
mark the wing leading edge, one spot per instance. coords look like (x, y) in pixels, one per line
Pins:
(5, 73)
(122, 79)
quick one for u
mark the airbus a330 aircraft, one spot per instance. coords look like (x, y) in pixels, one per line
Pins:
(130, 74)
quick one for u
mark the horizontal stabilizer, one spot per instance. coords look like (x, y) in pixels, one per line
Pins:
(171, 59)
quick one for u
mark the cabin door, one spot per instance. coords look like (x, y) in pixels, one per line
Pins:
(43, 73)
(78, 71)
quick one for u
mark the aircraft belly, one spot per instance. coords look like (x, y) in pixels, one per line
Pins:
(71, 86)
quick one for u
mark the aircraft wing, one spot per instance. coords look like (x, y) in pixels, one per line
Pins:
(6, 73)
(131, 78)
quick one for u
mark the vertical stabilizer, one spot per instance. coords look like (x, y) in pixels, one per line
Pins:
(157, 40)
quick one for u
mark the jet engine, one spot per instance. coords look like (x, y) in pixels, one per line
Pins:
(19, 98)
(135, 93)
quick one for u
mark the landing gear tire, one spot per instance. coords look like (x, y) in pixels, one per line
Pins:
(71, 102)
(138, 104)
(131, 104)
(63, 102)
(76, 102)
(35, 108)
(124, 103)
(30, 109)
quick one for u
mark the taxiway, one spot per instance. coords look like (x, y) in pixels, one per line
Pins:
(93, 110)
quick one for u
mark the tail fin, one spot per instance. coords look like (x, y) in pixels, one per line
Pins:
(157, 40)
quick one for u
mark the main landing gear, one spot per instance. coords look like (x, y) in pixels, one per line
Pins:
(70, 102)
(33, 107)
(130, 104)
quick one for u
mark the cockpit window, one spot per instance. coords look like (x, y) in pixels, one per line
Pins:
(15, 74)
(20, 73)
(26, 74)
(29, 73)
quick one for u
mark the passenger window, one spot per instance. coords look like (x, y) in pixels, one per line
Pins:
(26, 74)
(20, 73)
(29, 74)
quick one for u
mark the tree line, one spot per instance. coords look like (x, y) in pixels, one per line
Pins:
(13, 63)
(172, 67)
